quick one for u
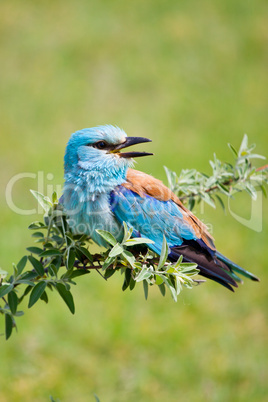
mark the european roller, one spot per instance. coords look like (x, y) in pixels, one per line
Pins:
(102, 191)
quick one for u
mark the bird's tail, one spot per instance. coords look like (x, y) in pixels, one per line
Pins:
(234, 268)
(217, 267)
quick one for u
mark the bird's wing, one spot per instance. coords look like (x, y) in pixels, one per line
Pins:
(150, 212)
(151, 209)
(142, 183)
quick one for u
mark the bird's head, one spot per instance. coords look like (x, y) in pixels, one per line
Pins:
(98, 150)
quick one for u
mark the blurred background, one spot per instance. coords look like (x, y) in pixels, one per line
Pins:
(192, 76)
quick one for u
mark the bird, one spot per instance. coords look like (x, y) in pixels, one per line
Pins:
(102, 191)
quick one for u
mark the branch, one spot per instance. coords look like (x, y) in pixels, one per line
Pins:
(192, 186)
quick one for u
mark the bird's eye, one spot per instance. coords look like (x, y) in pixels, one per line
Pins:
(100, 145)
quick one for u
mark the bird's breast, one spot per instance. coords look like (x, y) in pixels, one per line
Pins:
(86, 214)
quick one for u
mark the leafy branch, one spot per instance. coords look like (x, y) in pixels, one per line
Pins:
(226, 179)
(59, 257)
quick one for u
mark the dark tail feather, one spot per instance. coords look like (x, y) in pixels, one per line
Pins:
(211, 268)
(234, 267)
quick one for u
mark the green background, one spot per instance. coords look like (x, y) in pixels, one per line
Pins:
(192, 76)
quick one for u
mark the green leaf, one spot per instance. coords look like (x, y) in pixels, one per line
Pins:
(233, 150)
(13, 302)
(70, 258)
(54, 197)
(244, 145)
(179, 261)
(162, 289)
(50, 252)
(25, 282)
(107, 236)
(38, 266)
(86, 253)
(8, 325)
(224, 189)
(107, 263)
(145, 289)
(158, 279)
(26, 291)
(4, 289)
(34, 250)
(36, 293)
(132, 284)
(38, 234)
(164, 253)
(116, 250)
(37, 225)
(208, 199)
(44, 297)
(67, 296)
(79, 272)
(21, 264)
(52, 269)
(109, 272)
(127, 233)
(221, 202)
(145, 273)
(252, 156)
(191, 203)
(127, 279)
(42, 200)
(171, 176)
(138, 240)
(28, 275)
(129, 257)
(173, 292)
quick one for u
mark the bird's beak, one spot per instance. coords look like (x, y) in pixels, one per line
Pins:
(131, 141)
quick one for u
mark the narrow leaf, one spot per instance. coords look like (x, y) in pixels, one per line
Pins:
(129, 257)
(4, 289)
(37, 265)
(116, 250)
(138, 240)
(86, 253)
(233, 150)
(144, 274)
(221, 202)
(34, 250)
(13, 302)
(36, 293)
(21, 264)
(127, 279)
(44, 297)
(70, 258)
(67, 296)
(8, 325)
(145, 289)
(43, 201)
(50, 252)
(162, 289)
(107, 236)
(164, 253)
(107, 263)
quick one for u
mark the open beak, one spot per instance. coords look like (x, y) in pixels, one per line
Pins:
(131, 141)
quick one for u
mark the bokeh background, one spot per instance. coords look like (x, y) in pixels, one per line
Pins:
(192, 76)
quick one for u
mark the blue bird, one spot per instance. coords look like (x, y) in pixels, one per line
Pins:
(102, 191)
